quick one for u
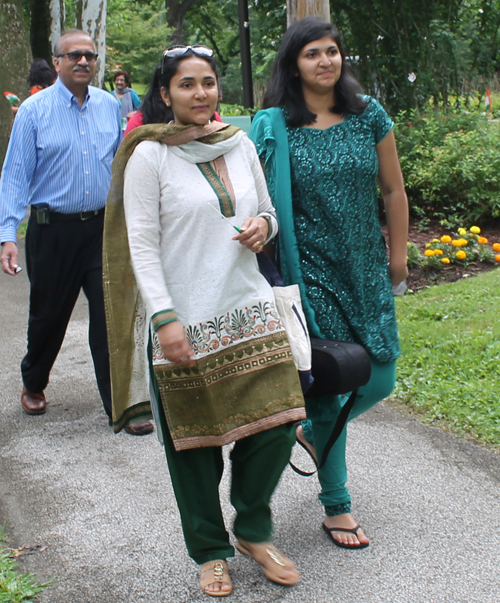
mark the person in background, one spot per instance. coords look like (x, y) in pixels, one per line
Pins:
(153, 109)
(324, 145)
(58, 161)
(127, 97)
(220, 365)
(41, 76)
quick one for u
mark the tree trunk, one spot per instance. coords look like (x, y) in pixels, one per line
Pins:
(57, 21)
(176, 11)
(47, 23)
(40, 30)
(298, 9)
(91, 18)
(15, 61)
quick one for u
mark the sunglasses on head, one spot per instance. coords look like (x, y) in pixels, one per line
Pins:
(178, 50)
(76, 56)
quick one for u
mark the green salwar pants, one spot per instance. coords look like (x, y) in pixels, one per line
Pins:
(257, 464)
(322, 414)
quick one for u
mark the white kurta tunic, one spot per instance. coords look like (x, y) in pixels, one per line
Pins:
(185, 260)
(183, 254)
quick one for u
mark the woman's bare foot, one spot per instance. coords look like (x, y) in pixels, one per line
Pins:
(347, 522)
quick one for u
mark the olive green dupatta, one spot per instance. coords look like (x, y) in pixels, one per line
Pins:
(249, 387)
(125, 311)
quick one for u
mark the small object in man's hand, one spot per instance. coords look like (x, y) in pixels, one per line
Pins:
(18, 270)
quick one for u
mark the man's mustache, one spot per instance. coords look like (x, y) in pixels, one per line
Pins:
(81, 68)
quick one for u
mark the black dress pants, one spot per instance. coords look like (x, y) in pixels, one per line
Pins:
(61, 259)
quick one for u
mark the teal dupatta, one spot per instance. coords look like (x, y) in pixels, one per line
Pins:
(269, 135)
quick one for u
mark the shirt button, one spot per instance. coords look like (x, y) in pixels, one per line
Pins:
(87, 193)
(84, 152)
(82, 133)
(87, 173)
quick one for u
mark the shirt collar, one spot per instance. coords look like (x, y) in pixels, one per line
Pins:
(67, 95)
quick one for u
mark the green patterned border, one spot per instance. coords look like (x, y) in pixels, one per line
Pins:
(226, 205)
(232, 393)
(136, 414)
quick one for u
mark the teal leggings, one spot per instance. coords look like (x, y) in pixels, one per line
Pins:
(322, 413)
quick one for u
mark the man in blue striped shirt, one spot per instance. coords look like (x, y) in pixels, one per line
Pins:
(59, 161)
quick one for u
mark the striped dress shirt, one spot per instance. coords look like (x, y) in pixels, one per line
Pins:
(59, 155)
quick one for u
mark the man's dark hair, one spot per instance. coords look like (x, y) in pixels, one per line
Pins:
(285, 88)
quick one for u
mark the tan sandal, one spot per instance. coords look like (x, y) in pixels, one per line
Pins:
(212, 572)
(272, 561)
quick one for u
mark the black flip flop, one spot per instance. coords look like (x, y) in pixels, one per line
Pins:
(341, 545)
(296, 469)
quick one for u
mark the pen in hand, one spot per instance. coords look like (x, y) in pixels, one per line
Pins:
(237, 228)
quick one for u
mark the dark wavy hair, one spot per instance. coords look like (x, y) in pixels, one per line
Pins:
(154, 110)
(285, 88)
(41, 74)
(125, 74)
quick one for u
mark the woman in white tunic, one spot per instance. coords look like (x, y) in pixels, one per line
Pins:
(220, 362)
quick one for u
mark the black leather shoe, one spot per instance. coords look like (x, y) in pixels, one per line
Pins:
(33, 403)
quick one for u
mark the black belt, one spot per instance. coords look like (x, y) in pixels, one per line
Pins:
(44, 216)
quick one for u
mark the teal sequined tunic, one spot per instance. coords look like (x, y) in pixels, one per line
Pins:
(342, 254)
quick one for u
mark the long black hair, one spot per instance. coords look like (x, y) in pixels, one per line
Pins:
(154, 110)
(285, 88)
(41, 74)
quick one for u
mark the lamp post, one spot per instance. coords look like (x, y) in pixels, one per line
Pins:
(246, 59)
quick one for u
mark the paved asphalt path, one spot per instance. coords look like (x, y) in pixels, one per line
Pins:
(103, 506)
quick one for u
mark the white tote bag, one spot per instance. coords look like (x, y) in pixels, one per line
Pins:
(289, 306)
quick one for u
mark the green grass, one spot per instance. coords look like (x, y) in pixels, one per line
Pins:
(141, 89)
(15, 587)
(21, 233)
(449, 368)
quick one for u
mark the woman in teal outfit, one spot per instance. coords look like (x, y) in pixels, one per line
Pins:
(324, 146)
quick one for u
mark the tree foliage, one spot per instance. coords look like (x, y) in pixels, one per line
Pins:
(408, 52)
(404, 52)
(215, 23)
(137, 32)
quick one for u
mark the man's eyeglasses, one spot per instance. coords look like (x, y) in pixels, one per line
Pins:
(76, 56)
(179, 50)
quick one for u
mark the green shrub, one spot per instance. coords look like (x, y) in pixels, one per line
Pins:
(234, 110)
(414, 256)
(451, 166)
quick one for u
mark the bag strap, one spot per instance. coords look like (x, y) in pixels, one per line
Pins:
(334, 436)
(269, 270)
